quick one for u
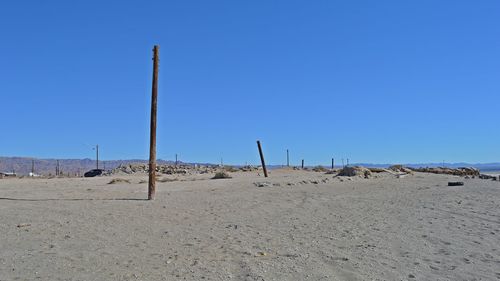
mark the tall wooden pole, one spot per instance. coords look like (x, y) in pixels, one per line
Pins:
(302, 163)
(333, 163)
(152, 142)
(287, 158)
(262, 159)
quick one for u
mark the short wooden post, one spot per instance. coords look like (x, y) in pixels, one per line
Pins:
(262, 159)
(152, 141)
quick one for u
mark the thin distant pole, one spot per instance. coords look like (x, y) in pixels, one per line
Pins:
(176, 159)
(333, 164)
(152, 142)
(97, 156)
(262, 159)
(287, 158)
(32, 168)
(302, 163)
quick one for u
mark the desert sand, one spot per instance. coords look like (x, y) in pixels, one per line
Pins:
(298, 225)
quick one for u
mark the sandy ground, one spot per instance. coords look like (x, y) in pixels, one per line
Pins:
(384, 228)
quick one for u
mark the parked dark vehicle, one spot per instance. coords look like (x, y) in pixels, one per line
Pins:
(93, 173)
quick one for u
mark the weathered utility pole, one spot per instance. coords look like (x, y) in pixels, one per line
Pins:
(152, 142)
(57, 168)
(333, 164)
(262, 159)
(176, 159)
(287, 158)
(302, 163)
(32, 168)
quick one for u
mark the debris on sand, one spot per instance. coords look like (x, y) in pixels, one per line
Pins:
(378, 170)
(23, 225)
(354, 171)
(118, 180)
(221, 175)
(400, 169)
(268, 184)
(263, 184)
(487, 177)
(181, 169)
(465, 171)
(455, 183)
(249, 168)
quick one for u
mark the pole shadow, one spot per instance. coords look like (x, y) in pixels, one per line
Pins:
(72, 199)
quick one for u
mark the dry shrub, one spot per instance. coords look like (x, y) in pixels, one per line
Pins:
(118, 180)
(221, 175)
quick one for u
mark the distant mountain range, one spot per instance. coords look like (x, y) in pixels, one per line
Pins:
(23, 165)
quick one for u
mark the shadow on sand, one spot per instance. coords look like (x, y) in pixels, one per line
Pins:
(73, 199)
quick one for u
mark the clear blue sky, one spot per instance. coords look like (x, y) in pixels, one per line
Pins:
(373, 81)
